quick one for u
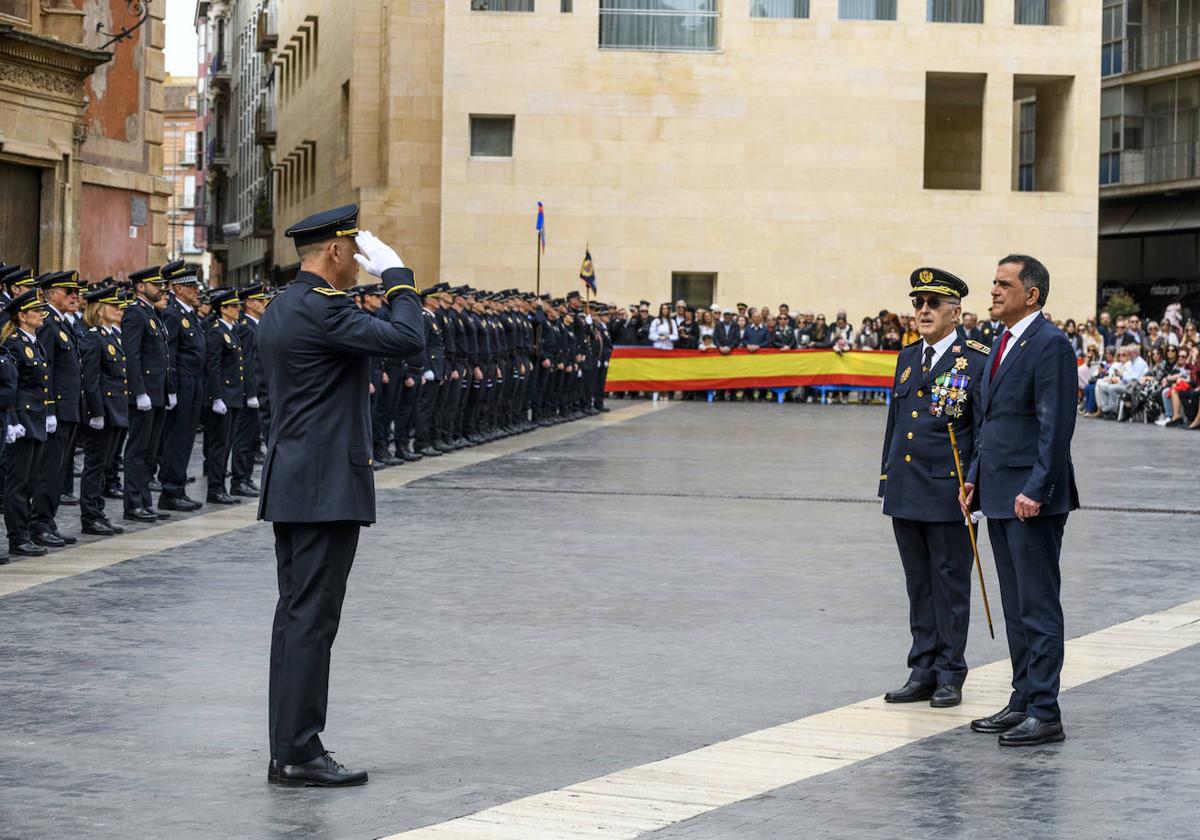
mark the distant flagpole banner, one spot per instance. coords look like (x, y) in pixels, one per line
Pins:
(587, 271)
(650, 369)
(541, 226)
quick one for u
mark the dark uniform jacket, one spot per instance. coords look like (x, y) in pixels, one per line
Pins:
(106, 393)
(8, 387)
(226, 367)
(33, 385)
(185, 340)
(918, 479)
(435, 347)
(247, 333)
(60, 345)
(148, 363)
(1028, 418)
(316, 348)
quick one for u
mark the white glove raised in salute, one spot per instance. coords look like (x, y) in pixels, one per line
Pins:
(374, 256)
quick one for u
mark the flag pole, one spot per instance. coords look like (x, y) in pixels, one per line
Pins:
(537, 246)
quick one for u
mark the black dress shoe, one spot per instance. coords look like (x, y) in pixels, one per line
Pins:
(272, 771)
(98, 528)
(155, 485)
(243, 490)
(158, 514)
(68, 500)
(26, 549)
(65, 538)
(140, 515)
(946, 696)
(912, 692)
(430, 452)
(48, 539)
(113, 493)
(180, 503)
(1033, 731)
(223, 498)
(116, 529)
(322, 771)
(1002, 721)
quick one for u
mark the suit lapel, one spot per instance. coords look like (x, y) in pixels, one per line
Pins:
(1013, 352)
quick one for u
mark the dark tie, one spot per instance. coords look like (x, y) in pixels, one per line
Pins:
(1000, 353)
(928, 360)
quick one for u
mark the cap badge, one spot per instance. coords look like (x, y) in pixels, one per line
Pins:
(926, 276)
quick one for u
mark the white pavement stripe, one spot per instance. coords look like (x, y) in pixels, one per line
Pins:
(628, 803)
(23, 573)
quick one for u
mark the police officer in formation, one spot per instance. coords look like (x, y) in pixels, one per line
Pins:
(106, 403)
(937, 384)
(188, 353)
(227, 392)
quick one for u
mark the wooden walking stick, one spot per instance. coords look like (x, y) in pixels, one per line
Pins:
(971, 529)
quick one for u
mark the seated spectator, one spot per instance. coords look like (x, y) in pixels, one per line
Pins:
(1110, 390)
(1091, 337)
(1155, 338)
(818, 335)
(1180, 390)
(1089, 368)
(784, 337)
(663, 332)
(841, 334)
(910, 333)
(755, 334)
(867, 338)
(1073, 337)
(706, 342)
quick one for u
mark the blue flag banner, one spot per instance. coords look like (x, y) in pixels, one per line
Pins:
(541, 226)
(587, 271)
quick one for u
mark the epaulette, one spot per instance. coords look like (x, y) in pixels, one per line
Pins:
(976, 345)
(328, 292)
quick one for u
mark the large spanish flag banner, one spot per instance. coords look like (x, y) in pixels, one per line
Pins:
(649, 369)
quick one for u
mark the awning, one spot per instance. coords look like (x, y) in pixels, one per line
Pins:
(1163, 215)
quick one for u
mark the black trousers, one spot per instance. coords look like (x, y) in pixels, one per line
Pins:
(112, 476)
(57, 452)
(145, 430)
(937, 561)
(313, 562)
(603, 382)
(1027, 556)
(429, 402)
(22, 460)
(217, 428)
(179, 437)
(406, 410)
(99, 447)
(246, 429)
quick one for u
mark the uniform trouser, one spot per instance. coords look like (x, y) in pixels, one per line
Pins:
(48, 483)
(600, 386)
(937, 572)
(246, 429)
(23, 460)
(145, 430)
(179, 436)
(112, 476)
(432, 394)
(444, 427)
(99, 446)
(217, 441)
(393, 391)
(313, 561)
(406, 410)
(378, 419)
(1027, 555)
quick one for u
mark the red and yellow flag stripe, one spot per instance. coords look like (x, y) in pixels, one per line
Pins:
(650, 369)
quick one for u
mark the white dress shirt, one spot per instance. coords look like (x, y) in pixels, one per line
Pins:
(1017, 330)
(939, 349)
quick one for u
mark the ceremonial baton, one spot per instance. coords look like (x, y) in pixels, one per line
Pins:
(971, 529)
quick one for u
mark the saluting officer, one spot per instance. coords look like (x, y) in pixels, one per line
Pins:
(226, 391)
(151, 391)
(937, 384)
(186, 346)
(317, 482)
(106, 402)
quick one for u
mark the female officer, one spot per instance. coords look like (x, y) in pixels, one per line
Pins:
(106, 399)
(31, 417)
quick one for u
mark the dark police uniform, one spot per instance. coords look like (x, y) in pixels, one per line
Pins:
(226, 384)
(919, 484)
(247, 421)
(8, 401)
(106, 396)
(148, 369)
(33, 405)
(432, 390)
(187, 350)
(317, 479)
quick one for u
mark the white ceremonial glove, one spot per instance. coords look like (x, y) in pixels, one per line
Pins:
(51, 424)
(96, 423)
(219, 407)
(587, 319)
(977, 516)
(10, 434)
(427, 376)
(375, 257)
(143, 402)
(252, 402)
(20, 431)
(172, 401)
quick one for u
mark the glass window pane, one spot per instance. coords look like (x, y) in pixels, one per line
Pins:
(658, 24)
(779, 8)
(15, 8)
(491, 136)
(954, 11)
(502, 5)
(867, 9)
(1031, 12)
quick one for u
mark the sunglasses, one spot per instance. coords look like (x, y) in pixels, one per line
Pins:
(920, 301)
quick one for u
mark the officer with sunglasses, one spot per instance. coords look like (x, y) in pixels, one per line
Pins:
(937, 383)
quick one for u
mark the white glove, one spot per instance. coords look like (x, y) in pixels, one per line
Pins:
(10, 434)
(374, 256)
(587, 319)
(96, 423)
(172, 401)
(252, 402)
(143, 402)
(977, 516)
(51, 424)
(219, 407)
(427, 376)
(20, 430)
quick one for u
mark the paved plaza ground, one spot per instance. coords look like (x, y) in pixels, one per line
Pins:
(595, 597)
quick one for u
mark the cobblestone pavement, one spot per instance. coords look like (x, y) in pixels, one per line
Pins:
(601, 601)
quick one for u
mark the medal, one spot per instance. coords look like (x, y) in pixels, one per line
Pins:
(960, 364)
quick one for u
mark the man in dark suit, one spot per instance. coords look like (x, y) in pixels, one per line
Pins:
(1022, 476)
(936, 385)
(317, 480)
(185, 344)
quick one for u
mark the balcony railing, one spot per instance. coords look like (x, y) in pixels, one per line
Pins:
(268, 28)
(264, 121)
(218, 154)
(217, 242)
(1157, 164)
(218, 69)
(1156, 48)
(264, 217)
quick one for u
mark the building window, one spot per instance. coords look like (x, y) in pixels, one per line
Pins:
(954, 11)
(778, 9)
(189, 148)
(189, 238)
(566, 6)
(1112, 53)
(1031, 12)
(502, 5)
(344, 134)
(697, 289)
(867, 9)
(1041, 147)
(189, 191)
(15, 9)
(1026, 144)
(659, 25)
(953, 130)
(492, 136)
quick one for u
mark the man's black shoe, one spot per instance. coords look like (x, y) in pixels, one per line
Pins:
(946, 696)
(158, 514)
(272, 771)
(116, 529)
(1002, 721)
(223, 498)
(442, 446)
(26, 549)
(1032, 732)
(64, 537)
(68, 500)
(114, 492)
(140, 515)
(98, 528)
(244, 490)
(429, 452)
(48, 539)
(155, 486)
(376, 466)
(912, 692)
(322, 771)
(180, 503)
